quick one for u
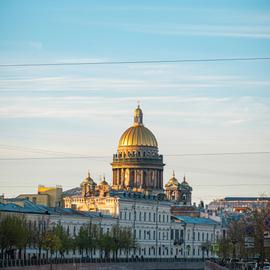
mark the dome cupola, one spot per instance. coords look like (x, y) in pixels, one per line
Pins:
(138, 166)
(138, 134)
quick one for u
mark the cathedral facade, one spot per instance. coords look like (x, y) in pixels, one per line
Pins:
(137, 173)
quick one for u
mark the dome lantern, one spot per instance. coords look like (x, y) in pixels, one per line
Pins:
(138, 117)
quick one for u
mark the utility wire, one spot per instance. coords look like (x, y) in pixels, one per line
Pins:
(214, 185)
(168, 155)
(137, 62)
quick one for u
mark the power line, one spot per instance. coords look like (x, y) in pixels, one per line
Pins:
(137, 62)
(208, 185)
(166, 155)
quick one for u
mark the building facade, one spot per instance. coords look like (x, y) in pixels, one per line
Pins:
(239, 204)
(157, 233)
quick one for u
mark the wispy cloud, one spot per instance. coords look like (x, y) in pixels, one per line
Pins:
(208, 30)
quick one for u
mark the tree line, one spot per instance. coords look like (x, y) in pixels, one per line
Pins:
(245, 236)
(16, 236)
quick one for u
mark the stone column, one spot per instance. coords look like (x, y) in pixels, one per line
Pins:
(161, 179)
(118, 177)
(122, 177)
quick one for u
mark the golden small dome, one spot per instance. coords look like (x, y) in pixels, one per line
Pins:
(88, 180)
(138, 134)
(173, 181)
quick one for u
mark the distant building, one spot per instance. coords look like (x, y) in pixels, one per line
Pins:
(193, 236)
(239, 204)
(47, 196)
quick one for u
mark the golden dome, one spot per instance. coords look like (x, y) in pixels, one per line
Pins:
(138, 134)
(173, 181)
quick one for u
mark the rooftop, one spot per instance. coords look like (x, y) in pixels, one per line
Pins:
(247, 198)
(31, 208)
(196, 220)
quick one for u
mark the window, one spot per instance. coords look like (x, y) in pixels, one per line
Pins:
(154, 217)
(163, 218)
(182, 234)
(144, 216)
(149, 216)
(125, 215)
(140, 234)
(154, 235)
(202, 236)
(120, 215)
(171, 234)
(206, 236)
(159, 218)
(177, 234)
(144, 234)
(193, 236)
(199, 236)
(140, 216)
(129, 216)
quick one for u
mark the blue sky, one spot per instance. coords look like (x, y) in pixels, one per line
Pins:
(192, 108)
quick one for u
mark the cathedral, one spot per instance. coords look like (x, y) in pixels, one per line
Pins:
(137, 171)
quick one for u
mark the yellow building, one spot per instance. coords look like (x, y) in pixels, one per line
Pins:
(48, 196)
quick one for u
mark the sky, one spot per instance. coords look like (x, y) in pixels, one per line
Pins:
(192, 108)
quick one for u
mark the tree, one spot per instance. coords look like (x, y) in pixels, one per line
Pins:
(105, 243)
(250, 225)
(65, 242)
(81, 241)
(235, 235)
(13, 234)
(87, 238)
(51, 242)
(127, 240)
